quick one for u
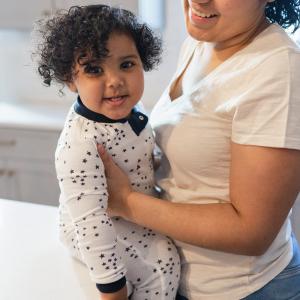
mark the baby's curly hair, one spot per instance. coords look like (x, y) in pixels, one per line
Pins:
(284, 12)
(83, 32)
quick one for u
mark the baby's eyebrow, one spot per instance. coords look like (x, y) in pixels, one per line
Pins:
(134, 56)
(90, 62)
(85, 60)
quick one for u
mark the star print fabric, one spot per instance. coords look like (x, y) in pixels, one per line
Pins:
(110, 247)
(84, 194)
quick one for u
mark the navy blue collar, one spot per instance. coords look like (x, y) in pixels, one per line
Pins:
(136, 119)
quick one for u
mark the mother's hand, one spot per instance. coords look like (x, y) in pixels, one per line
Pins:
(119, 186)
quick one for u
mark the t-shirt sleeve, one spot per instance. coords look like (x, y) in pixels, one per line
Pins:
(81, 177)
(267, 113)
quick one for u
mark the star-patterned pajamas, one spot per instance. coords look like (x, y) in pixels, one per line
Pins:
(113, 249)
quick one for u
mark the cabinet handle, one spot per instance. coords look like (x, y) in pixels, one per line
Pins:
(8, 143)
(10, 173)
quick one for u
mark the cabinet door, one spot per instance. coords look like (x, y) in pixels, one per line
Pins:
(131, 5)
(24, 144)
(27, 164)
(4, 193)
(32, 181)
(21, 14)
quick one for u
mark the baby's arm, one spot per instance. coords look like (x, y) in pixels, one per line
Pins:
(84, 193)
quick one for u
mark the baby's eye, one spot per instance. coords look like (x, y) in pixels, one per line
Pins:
(93, 70)
(127, 64)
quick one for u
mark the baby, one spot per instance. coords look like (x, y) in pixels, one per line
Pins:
(101, 53)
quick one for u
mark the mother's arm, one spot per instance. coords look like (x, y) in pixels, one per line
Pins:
(264, 183)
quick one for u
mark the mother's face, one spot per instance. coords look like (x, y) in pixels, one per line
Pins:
(222, 21)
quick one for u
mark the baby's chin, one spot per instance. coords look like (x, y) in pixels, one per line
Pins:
(118, 115)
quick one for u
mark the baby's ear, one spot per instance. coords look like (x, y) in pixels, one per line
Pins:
(71, 85)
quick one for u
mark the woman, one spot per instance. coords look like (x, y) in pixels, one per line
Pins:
(228, 126)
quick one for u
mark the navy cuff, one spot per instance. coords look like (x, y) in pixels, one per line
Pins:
(111, 287)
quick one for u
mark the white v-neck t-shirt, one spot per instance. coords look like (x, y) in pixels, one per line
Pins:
(253, 98)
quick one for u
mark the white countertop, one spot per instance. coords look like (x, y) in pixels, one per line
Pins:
(33, 116)
(33, 263)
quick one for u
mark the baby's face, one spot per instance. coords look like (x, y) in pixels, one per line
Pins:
(115, 85)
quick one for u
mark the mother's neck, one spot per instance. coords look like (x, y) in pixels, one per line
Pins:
(225, 49)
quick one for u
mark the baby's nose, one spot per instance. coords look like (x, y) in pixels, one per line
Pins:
(114, 79)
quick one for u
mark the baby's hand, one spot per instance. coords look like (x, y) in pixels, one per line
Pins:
(119, 187)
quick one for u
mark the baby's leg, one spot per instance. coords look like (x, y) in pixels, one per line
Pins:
(152, 261)
(67, 235)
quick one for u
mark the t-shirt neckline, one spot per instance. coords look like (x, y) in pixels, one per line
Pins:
(210, 74)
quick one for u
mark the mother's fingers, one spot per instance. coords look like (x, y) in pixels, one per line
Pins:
(105, 157)
(102, 152)
(119, 186)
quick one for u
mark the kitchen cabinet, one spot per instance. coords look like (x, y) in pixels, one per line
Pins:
(22, 14)
(28, 138)
(3, 179)
(27, 171)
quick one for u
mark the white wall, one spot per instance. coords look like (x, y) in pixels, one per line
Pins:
(173, 35)
(19, 81)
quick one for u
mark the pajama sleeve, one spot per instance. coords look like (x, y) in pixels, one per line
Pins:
(81, 177)
(267, 113)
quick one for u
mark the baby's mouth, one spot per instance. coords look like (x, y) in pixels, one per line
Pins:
(116, 101)
(116, 98)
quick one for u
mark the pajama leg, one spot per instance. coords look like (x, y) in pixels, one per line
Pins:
(152, 262)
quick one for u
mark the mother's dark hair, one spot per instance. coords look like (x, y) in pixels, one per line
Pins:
(284, 12)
